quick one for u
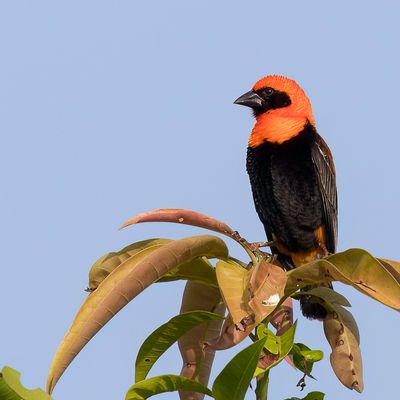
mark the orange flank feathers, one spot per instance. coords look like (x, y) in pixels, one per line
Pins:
(281, 124)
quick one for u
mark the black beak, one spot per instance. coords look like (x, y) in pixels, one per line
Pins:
(250, 99)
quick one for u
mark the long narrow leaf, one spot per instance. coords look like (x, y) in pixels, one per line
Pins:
(234, 379)
(197, 360)
(107, 263)
(121, 286)
(165, 336)
(180, 216)
(343, 336)
(161, 384)
(197, 270)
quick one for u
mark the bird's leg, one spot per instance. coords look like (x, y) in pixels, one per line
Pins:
(324, 249)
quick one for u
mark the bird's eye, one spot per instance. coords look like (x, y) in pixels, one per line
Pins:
(268, 92)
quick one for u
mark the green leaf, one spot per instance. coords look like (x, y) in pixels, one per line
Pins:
(311, 396)
(262, 386)
(164, 383)
(272, 343)
(12, 389)
(304, 358)
(165, 336)
(285, 344)
(233, 381)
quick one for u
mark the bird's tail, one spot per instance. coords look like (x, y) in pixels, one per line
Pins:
(309, 305)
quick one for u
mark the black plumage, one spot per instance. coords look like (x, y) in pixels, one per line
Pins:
(293, 185)
(294, 191)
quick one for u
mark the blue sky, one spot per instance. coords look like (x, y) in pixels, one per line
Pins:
(109, 108)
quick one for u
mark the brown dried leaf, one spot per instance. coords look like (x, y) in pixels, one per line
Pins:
(250, 297)
(121, 286)
(342, 334)
(267, 286)
(180, 216)
(283, 319)
(197, 362)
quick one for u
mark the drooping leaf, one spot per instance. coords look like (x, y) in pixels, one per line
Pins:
(311, 396)
(121, 286)
(197, 361)
(233, 381)
(326, 294)
(197, 270)
(181, 216)
(354, 267)
(164, 383)
(283, 342)
(12, 389)
(108, 262)
(165, 336)
(343, 336)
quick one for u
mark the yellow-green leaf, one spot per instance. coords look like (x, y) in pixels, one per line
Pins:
(12, 389)
(354, 267)
(108, 262)
(197, 270)
(233, 281)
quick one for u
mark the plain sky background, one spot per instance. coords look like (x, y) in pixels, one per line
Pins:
(110, 108)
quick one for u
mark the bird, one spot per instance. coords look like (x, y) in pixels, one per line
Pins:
(292, 177)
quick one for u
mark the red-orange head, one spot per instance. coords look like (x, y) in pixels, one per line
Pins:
(281, 108)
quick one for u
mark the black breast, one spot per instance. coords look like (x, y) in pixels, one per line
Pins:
(285, 190)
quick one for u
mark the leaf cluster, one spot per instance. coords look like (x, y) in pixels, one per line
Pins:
(257, 295)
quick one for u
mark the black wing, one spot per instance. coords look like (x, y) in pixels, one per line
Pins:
(325, 169)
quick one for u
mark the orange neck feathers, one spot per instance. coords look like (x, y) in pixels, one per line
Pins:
(281, 124)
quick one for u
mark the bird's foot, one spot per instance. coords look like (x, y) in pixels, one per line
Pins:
(236, 236)
(256, 245)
